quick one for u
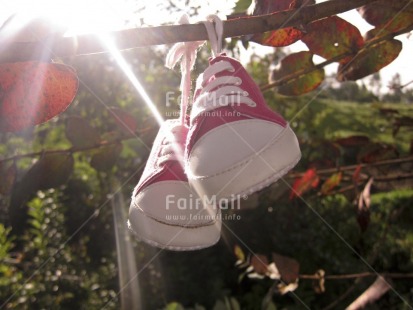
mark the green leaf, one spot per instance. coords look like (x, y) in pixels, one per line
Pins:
(8, 174)
(241, 6)
(332, 182)
(232, 303)
(332, 36)
(174, 306)
(80, 133)
(369, 61)
(220, 305)
(105, 158)
(239, 254)
(271, 306)
(228, 304)
(293, 64)
(111, 136)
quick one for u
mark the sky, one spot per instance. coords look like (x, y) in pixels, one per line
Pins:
(85, 16)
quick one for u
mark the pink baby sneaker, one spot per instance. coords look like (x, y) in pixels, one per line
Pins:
(165, 211)
(236, 144)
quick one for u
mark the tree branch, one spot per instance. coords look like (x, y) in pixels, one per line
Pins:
(356, 276)
(71, 149)
(140, 37)
(352, 167)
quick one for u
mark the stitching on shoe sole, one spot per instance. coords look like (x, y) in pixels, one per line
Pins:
(170, 247)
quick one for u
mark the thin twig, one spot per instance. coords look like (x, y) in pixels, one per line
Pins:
(67, 150)
(356, 276)
(352, 167)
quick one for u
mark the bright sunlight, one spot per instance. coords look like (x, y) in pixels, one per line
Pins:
(76, 16)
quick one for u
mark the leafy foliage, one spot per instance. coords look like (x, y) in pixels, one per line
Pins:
(281, 37)
(57, 246)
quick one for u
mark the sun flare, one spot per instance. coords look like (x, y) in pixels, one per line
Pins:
(75, 16)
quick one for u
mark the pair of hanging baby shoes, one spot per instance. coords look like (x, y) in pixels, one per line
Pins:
(232, 145)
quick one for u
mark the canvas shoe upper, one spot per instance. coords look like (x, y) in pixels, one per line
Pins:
(165, 211)
(236, 144)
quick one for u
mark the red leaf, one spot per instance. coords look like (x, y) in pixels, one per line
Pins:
(305, 83)
(288, 268)
(356, 174)
(332, 36)
(80, 133)
(353, 141)
(374, 152)
(373, 293)
(369, 61)
(278, 38)
(309, 180)
(363, 210)
(384, 13)
(332, 182)
(32, 93)
(126, 122)
(8, 174)
(260, 263)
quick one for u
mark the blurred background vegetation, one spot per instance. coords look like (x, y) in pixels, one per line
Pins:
(58, 246)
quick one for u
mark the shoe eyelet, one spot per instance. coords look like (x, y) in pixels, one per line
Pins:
(231, 69)
(245, 93)
(252, 104)
(238, 82)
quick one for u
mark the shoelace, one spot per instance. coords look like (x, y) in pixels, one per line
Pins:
(222, 91)
(184, 52)
(172, 142)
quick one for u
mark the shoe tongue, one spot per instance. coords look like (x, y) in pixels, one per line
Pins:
(213, 60)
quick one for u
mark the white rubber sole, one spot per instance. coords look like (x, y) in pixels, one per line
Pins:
(252, 174)
(175, 238)
(174, 229)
